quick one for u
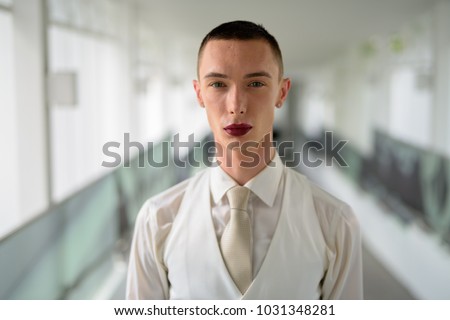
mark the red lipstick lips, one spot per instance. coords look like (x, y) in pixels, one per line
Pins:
(238, 129)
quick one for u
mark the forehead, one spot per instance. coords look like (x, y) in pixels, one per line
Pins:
(237, 55)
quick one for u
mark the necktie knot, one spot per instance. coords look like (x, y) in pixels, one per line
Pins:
(238, 197)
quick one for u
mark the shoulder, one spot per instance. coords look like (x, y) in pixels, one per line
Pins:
(330, 210)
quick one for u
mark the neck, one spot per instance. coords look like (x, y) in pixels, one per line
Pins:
(242, 164)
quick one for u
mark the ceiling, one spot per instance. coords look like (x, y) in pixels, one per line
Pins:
(309, 31)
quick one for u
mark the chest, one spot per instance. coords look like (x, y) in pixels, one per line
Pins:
(291, 268)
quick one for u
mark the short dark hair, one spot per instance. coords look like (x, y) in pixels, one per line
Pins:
(243, 30)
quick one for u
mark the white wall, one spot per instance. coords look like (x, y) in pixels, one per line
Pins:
(24, 170)
(9, 169)
(30, 105)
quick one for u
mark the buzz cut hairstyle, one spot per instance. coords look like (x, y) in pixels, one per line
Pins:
(243, 30)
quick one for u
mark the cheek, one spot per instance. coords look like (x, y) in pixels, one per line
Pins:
(214, 117)
(265, 99)
(266, 117)
(211, 95)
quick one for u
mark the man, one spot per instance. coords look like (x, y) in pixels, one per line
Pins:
(248, 228)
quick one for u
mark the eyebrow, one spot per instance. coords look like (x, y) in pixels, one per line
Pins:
(215, 75)
(247, 76)
(258, 74)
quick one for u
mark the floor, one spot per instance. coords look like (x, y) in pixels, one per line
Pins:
(379, 284)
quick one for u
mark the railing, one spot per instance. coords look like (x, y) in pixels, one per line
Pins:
(66, 251)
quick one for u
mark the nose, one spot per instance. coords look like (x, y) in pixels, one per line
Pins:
(236, 101)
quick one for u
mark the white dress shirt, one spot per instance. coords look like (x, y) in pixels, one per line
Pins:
(265, 200)
(329, 226)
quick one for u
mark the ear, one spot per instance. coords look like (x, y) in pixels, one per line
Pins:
(198, 92)
(285, 86)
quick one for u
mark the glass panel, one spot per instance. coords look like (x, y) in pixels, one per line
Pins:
(29, 260)
(63, 250)
(91, 229)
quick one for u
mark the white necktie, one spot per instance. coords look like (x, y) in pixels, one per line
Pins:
(235, 241)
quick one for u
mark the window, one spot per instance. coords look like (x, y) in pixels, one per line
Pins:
(411, 106)
(9, 188)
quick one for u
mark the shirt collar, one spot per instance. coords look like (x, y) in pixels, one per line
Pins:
(264, 184)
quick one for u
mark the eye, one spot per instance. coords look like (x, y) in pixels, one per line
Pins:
(217, 84)
(256, 84)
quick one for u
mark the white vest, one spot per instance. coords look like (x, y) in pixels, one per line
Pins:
(292, 269)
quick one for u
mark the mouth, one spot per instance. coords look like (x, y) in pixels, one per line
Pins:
(237, 129)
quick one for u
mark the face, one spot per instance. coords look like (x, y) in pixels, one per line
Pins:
(239, 86)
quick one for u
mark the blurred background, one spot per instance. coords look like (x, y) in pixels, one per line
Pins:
(77, 74)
